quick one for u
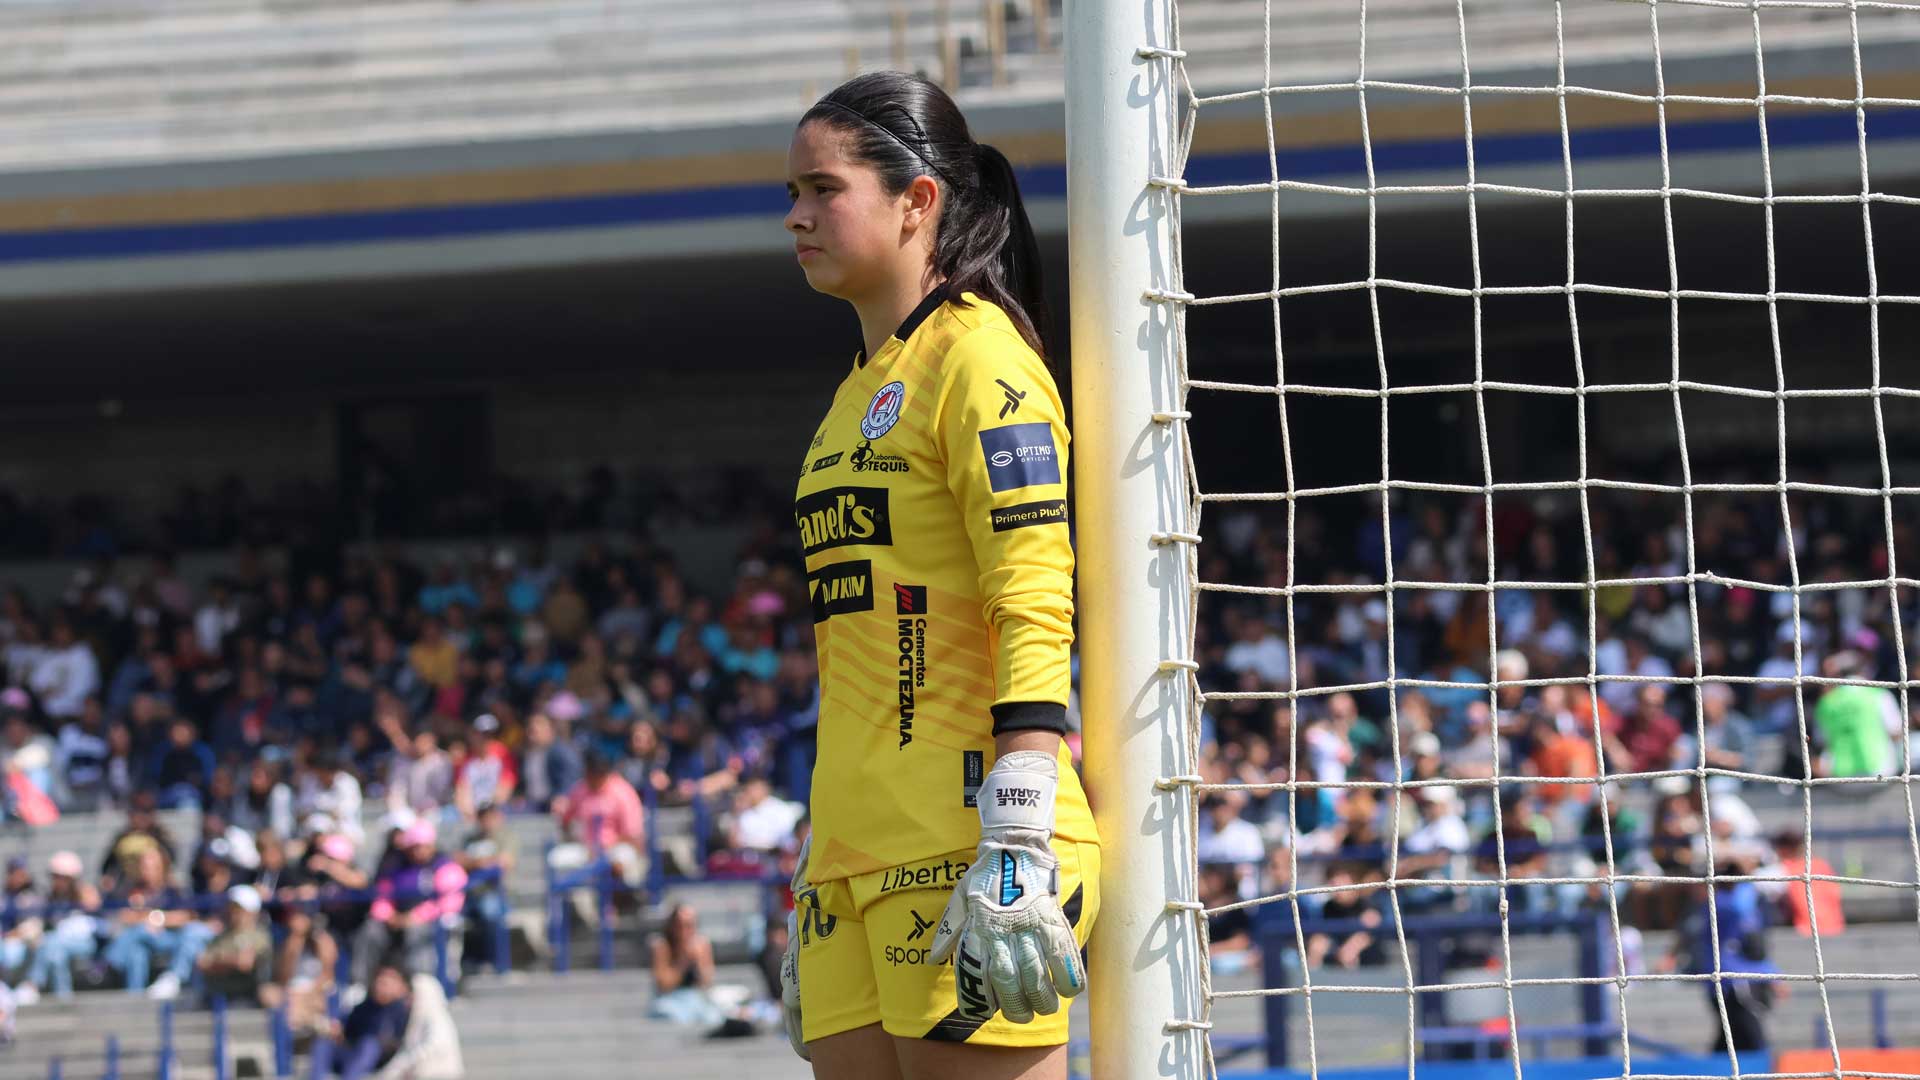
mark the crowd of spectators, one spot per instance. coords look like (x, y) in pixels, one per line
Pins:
(352, 732)
(294, 698)
(1545, 740)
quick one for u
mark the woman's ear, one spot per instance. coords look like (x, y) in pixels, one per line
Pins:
(921, 201)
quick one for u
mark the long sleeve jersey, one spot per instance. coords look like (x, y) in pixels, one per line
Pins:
(932, 513)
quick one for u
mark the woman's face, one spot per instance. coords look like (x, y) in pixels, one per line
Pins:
(850, 236)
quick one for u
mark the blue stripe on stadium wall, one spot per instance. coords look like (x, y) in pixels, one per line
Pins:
(1751, 1061)
(627, 209)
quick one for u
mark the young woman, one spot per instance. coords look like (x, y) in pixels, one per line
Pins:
(947, 819)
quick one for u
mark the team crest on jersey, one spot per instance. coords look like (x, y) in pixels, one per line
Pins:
(884, 410)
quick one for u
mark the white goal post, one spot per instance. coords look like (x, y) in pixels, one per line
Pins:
(1132, 510)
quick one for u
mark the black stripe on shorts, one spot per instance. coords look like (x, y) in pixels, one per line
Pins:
(955, 1028)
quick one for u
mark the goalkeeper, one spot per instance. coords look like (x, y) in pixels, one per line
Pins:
(953, 870)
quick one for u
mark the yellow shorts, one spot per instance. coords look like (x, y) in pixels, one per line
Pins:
(863, 952)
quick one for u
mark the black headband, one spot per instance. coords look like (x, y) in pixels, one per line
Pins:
(890, 133)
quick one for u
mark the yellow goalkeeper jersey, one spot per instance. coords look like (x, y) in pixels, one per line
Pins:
(932, 513)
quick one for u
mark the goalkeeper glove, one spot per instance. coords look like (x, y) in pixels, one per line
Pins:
(790, 960)
(1013, 951)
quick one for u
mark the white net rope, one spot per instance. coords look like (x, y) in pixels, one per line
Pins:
(1315, 24)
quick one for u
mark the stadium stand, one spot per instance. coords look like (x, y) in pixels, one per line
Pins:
(297, 657)
(220, 78)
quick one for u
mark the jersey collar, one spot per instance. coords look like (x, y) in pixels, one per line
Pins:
(915, 317)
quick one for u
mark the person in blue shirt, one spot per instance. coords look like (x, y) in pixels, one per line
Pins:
(377, 1027)
(1736, 920)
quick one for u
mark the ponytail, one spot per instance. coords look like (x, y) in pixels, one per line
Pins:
(903, 126)
(1010, 274)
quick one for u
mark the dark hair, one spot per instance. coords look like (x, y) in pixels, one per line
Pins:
(903, 126)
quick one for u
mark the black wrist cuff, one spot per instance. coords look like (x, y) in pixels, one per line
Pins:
(1029, 716)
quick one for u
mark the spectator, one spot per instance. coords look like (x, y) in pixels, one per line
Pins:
(1856, 723)
(156, 921)
(645, 764)
(66, 673)
(237, 964)
(182, 768)
(550, 765)
(303, 970)
(82, 757)
(1789, 847)
(1360, 947)
(682, 961)
(376, 1028)
(327, 874)
(1729, 739)
(602, 817)
(243, 724)
(264, 804)
(762, 821)
(1736, 924)
(20, 914)
(1230, 941)
(1568, 755)
(488, 773)
(435, 659)
(1433, 849)
(228, 846)
(1226, 838)
(489, 850)
(412, 903)
(329, 796)
(69, 920)
(142, 833)
(1522, 841)
(1645, 738)
(420, 777)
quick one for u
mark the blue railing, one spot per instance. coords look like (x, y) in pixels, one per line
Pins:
(1425, 935)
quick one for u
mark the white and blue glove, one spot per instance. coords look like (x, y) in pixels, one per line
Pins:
(790, 960)
(1013, 951)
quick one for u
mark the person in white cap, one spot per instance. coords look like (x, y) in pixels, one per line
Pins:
(1431, 849)
(237, 963)
(69, 922)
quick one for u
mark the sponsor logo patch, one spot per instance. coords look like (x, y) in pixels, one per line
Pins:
(913, 670)
(865, 459)
(828, 462)
(1014, 398)
(1045, 512)
(941, 875)
(841, 588)
(840, 516)
(910, 953)
(1020, 455)
(884, 410)
(909, 599)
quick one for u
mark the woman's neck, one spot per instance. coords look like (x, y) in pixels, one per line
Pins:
(882, 313)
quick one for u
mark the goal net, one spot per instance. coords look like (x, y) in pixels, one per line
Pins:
(1498, 431)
